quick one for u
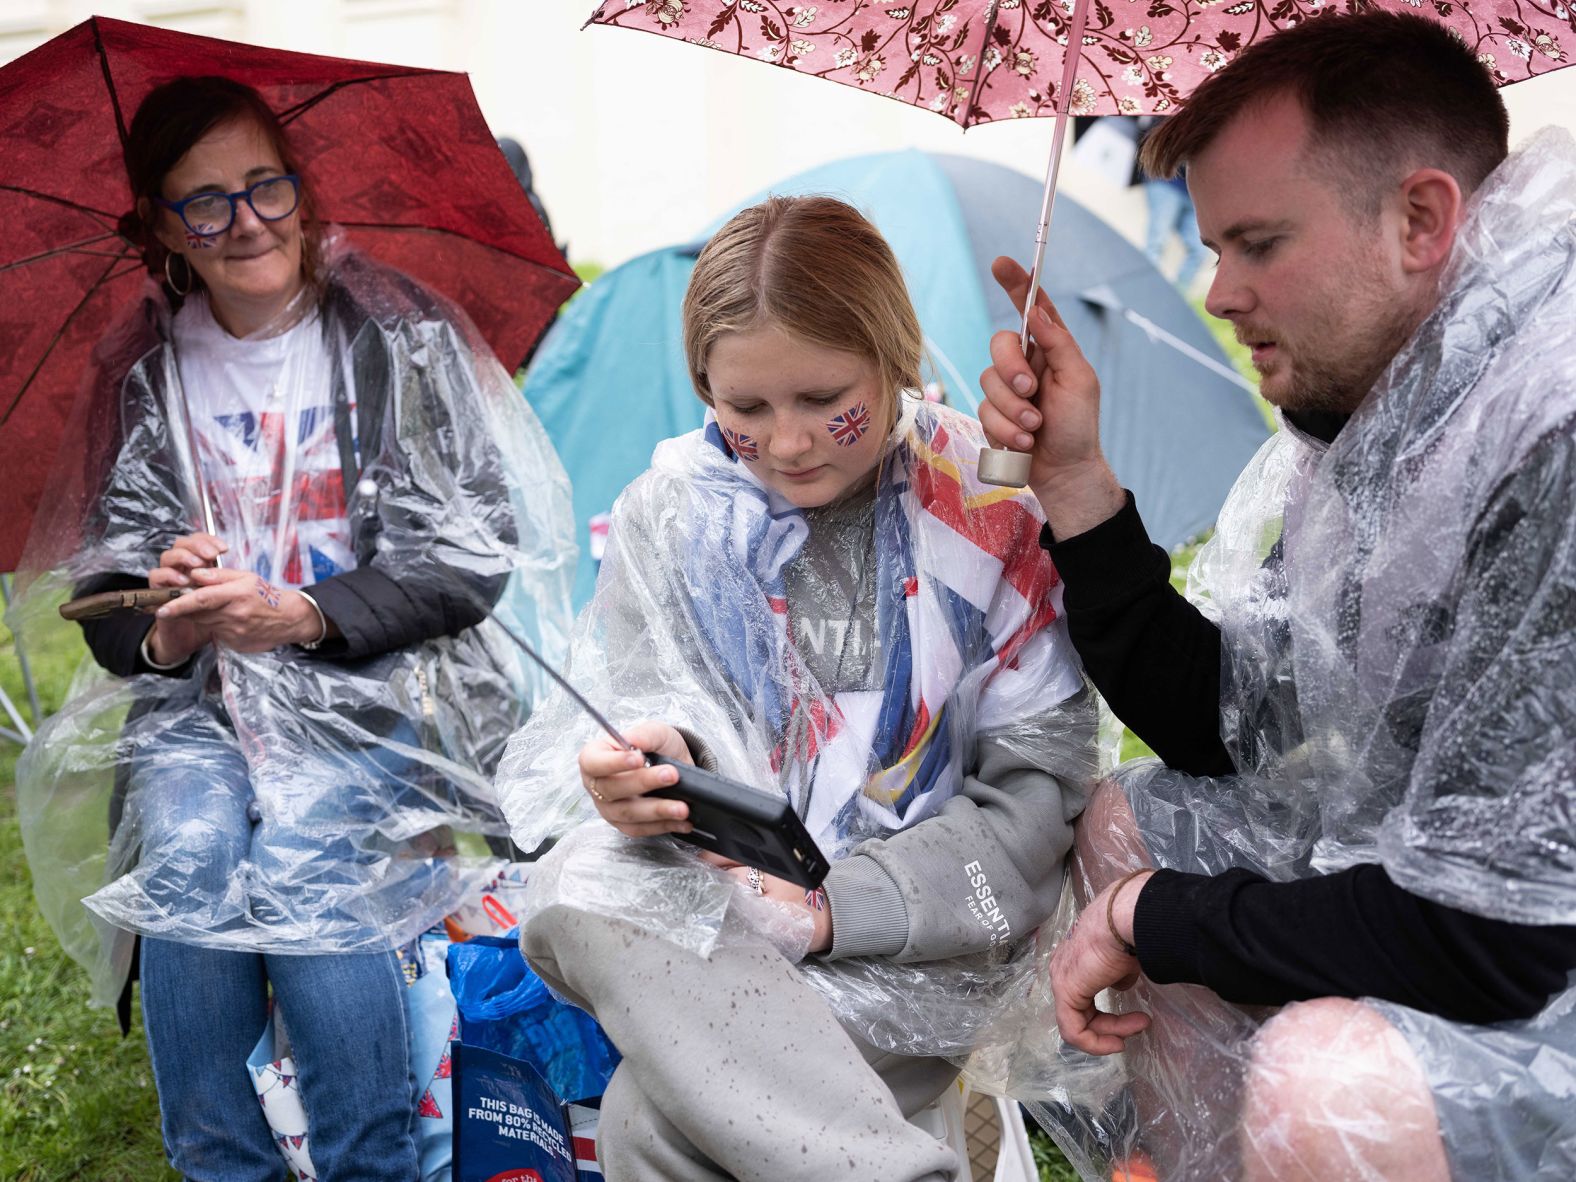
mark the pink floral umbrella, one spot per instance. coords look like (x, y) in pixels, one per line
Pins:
(978, 61)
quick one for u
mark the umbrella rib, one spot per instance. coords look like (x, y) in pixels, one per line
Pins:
(66, 202)
(979, 66)
(59, 333)
(109, 84)
(291, 113)
(392, 227)
(69, 248)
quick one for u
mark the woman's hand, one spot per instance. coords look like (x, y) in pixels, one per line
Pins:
(185, 555)
(780, 890)
(618, 780)
(1089, 959)
(235, 609)
(172, 641)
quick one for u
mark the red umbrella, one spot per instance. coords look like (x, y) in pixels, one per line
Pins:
(977, 61)
(400, 157)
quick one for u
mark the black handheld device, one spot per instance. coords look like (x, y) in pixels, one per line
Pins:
(751, 827)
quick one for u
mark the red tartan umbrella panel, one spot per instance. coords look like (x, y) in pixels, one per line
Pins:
(400, 157)
(977, 61)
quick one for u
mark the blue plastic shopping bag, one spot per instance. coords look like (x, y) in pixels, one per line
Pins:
(505, 1007)
(508, 1124)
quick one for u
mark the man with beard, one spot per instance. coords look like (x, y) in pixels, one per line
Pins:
(1368, 799)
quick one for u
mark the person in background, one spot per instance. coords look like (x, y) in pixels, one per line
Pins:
(520, 165)
(1170, 213)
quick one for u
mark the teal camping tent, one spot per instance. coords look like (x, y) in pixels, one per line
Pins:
(609, 379)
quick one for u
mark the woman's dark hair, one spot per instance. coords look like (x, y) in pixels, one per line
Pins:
(171, 119)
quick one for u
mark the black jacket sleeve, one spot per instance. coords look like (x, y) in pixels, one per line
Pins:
(1152, 655)
(377, 614)
(1350, 934)
(1156, 659)
(115, 640)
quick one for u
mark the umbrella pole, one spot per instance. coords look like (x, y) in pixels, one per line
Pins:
(998, 465)
(199, 483)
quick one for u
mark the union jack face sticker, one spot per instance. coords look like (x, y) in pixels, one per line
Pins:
(743, 445)
(849, 427)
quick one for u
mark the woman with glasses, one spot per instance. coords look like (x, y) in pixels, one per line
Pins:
(323, 459)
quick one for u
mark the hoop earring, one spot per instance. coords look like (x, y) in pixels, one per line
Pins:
(170, 279)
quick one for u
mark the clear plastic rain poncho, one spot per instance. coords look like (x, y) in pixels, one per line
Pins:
(691, 625)
(413, 452)
(1398, 614)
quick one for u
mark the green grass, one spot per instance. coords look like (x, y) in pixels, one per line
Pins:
(76, 1099)
(1048, 1160)
(1236, 352)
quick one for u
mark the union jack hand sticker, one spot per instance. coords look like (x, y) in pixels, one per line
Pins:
(849, 427)
(268, 593)
(743, 445)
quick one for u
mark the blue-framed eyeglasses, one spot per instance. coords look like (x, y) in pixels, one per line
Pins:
(207, 215)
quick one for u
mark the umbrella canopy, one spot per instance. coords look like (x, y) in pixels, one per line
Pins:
(1173, 421)
(975, 61)
(401, 158)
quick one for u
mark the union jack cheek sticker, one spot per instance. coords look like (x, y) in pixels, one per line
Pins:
(743, 445)
(204, 241)
(849, 427)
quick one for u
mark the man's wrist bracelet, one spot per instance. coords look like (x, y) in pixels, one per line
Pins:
(1110, 912)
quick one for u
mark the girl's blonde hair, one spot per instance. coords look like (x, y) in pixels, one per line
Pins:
(815, 267)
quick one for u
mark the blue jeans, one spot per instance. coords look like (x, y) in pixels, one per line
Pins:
(210, 857)
(1171, 211)
(205, 1008)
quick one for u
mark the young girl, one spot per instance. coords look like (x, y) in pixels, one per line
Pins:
(813, 594)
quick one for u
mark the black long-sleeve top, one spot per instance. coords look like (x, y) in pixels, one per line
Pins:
(1156, 659)
(374, 614)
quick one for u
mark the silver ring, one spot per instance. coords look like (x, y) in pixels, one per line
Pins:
(753, 877)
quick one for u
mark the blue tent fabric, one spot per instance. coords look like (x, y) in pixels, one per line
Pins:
(609, 380)
(609, 383)
(913, 198)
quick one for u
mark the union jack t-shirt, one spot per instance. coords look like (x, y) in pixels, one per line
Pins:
(262, 414)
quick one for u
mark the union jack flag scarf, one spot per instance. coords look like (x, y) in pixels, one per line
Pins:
(962, 590)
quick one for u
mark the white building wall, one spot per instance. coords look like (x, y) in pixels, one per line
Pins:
(637, 141)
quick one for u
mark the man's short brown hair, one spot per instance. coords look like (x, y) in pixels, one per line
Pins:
(1384, 93)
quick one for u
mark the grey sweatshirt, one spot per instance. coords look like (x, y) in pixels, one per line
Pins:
(985, 870)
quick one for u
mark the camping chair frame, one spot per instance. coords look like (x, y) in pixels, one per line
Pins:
(19, 731)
